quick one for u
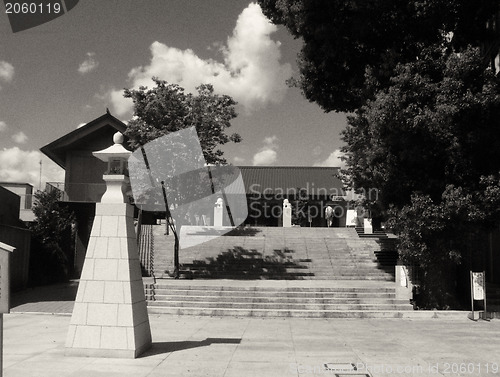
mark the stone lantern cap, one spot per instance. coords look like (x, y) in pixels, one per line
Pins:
(116, 151)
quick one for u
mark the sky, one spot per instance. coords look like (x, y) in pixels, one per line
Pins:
(62, 74)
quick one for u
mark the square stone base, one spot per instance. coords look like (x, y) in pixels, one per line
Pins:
(107, 353)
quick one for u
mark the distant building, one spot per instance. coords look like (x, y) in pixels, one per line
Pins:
(83, 185)
(316, 187)
(73, 152)
(25, 193)
(14, 233)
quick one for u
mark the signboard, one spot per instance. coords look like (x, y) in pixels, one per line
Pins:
(478, 285)
(478, 293)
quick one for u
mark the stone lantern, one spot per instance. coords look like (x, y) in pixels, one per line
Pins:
(110, 317)
(116, 176)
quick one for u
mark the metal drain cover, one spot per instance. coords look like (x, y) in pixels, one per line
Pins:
(340, 367)
(344, 370)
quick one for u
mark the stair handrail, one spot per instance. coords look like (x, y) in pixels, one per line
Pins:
(151, 248)
(145, 245)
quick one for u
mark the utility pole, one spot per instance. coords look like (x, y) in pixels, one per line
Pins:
(40, 180)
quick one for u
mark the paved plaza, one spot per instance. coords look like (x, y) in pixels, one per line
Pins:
(207, 346)
(228, 346)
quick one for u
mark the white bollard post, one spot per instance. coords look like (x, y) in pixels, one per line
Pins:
(368, 226)
(287, 214)
(219, 213)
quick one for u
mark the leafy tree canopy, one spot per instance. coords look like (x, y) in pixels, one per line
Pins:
(167, 108)
(351, 48)
(436, 125)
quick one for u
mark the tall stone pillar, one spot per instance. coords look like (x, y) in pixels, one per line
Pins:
(110, 317)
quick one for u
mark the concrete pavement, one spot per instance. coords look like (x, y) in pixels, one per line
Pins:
(226, 347)
(35, 334)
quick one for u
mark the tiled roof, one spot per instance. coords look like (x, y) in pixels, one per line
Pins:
(283, 179)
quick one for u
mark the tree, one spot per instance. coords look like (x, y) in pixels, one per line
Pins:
(51, 260)
(423, 135)
(435, 125)
(166, 109)
(439, 236)
(429, 144)
(351, 48)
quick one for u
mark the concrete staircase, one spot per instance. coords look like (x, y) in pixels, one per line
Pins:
(292, 272)
(278, 299)
(280, 254)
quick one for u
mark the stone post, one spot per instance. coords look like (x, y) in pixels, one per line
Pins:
(404, 284)
(367, 224)
(110, 317)
(219, 213)
(350, 220)
(287, 214)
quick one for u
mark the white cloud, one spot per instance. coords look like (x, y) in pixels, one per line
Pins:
(121, 104)
(3, 126)
(6, 71)
(20, 137)
(268, 154)
(250, 72)
(89, 64)
(17, 165)
(333, 160)
(271, 141)
(265, 157)
(238, 160)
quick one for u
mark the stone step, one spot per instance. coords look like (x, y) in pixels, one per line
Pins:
(273, 294)
(334, 267)
(284, 275)
(289, 276)
(282, 313)
(340, 299)
(263, 286)
(276, 306)
(314, 299)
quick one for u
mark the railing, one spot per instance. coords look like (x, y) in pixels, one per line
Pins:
(145, 245)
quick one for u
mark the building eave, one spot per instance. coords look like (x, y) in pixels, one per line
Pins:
(56, 149)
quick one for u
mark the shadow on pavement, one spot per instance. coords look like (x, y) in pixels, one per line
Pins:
(167, 347)
(56, 292)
